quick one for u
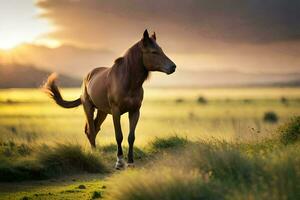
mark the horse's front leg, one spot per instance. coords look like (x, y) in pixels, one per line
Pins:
(119, 138)
(133, 119)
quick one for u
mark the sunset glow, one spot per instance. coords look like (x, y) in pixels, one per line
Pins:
(19, 23)
(13, 36)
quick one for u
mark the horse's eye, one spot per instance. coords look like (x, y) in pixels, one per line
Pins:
(155, 52)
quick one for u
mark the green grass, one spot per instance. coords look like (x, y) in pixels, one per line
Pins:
(57, 189)
(204, 169)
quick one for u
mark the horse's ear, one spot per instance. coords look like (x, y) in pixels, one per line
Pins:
(153, 36)
(146, 34)
(146, 40)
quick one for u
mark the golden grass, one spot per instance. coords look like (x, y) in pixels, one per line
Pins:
(29, 115)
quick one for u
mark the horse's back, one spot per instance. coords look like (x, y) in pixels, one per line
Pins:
(94, 72)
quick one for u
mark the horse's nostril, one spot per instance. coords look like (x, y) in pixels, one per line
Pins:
(173, 67)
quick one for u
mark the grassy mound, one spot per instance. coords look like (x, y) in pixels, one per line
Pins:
(290, 132)
(172, 142)
(72, 158)
(48, 162)
(270, 117)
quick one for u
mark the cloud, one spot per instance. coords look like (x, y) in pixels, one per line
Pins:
(247, 21)
(247, 35)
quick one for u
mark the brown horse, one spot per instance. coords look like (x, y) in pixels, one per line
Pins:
(117, 90)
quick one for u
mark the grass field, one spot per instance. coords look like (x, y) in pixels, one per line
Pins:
(221, 142)
(29, 115)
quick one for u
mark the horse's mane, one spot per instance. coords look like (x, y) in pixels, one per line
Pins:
(119, 60)
(132, 61)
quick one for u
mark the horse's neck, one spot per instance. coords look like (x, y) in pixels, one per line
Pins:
(135, 71)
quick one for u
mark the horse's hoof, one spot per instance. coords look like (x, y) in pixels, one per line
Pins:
(130, 165)
(120, 164)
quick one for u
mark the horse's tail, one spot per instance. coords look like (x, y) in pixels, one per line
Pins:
(51, 88)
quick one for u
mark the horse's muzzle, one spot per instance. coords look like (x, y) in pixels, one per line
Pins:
(171, 69)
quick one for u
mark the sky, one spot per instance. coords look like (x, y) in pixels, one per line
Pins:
(249, 36)
(19, 23)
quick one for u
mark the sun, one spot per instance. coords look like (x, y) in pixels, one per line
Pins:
(10, 39)
(19, 23)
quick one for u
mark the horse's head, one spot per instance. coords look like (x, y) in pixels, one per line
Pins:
(154, 58)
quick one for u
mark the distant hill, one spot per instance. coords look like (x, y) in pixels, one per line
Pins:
(66, 59)
(27, 76)
(295, 83)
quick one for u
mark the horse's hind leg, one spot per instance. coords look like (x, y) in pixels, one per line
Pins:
(101, 116)
(89, 126)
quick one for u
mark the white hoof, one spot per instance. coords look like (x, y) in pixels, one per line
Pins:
(120, 164)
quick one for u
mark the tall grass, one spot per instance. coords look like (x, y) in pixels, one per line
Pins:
(163, 184)
(214, 172)
(217, 170)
